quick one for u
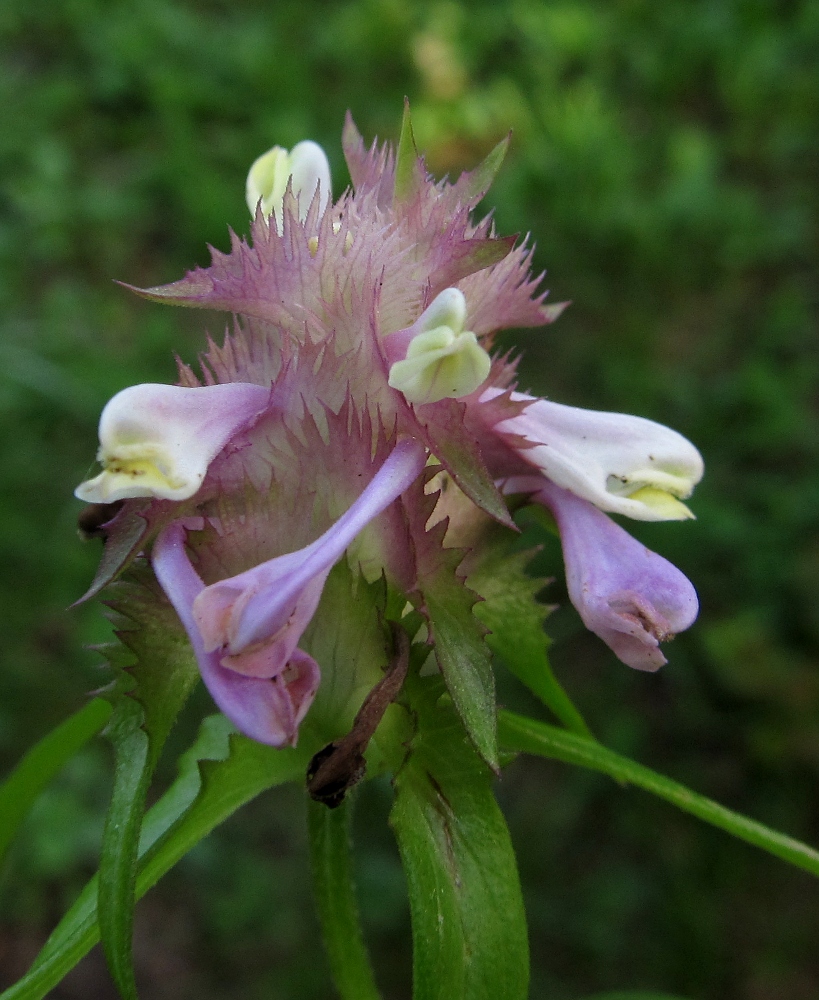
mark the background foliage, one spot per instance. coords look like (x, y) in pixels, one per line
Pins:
(665, 158)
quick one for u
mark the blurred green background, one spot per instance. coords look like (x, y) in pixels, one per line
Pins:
(665, 158)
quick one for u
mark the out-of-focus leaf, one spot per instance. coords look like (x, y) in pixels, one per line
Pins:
(634, 995)
(42, 762)
(163, 674)
(227, 784)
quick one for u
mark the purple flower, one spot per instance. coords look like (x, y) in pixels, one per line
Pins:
(625, 593)
(257, 617)
(268, 709)
(361, 351)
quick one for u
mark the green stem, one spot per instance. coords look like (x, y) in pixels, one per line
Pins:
(331, 861)
(522, 735)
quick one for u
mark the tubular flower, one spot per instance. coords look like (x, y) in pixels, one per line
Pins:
(257, 617)
(296, 479)
(158, 440)
(268, 709)
(622, 464)
(630, 597)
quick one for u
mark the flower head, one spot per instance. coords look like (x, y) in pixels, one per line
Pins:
(294, 473)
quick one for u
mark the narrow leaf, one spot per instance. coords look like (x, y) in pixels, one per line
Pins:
(129, 530)
(469, 256)
(331, 863)
(634, 995)
(523, 735)
(457, 635)
(42, 762)
(163, 674)
(406, 161)
(226, 785)
(457, 448)
(468, 923)
(132, 775)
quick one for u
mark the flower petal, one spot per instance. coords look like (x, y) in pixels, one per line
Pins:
(268, 711)
(158, 440)
(436, 358)
(629, 596)
(621, 463)
(257, 617)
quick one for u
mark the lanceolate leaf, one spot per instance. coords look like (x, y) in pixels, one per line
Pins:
(406, 160)
(20, 790)
(461, 651)
(163, 675)
(177, 824)
(515, 620)
(470, 256)
(456, 447)
(468, 923)
(634, 995)
(523, 735)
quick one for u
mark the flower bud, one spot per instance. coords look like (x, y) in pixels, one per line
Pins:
(306, 164)
(442, 360)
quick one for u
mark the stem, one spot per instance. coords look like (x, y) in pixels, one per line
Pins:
(331, 862)
(522, 735)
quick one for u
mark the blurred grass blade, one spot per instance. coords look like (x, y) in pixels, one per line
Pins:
(20, 790)
(178, 824)
(524, 735)
(331, 864)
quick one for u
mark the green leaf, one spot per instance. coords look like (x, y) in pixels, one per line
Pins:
(42, 762)
(457, 448)
(347, 637)
(515, 620)
(522, 735)
(468, 922)
(473, 186)
(331, 864)
(469, 256)
(120, 839)
(458, 636)
(163, 674)
(248, 770)
(406, 159)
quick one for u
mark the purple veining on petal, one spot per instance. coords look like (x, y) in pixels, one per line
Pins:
(266, 710)
(629, 596)
(256, 618)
